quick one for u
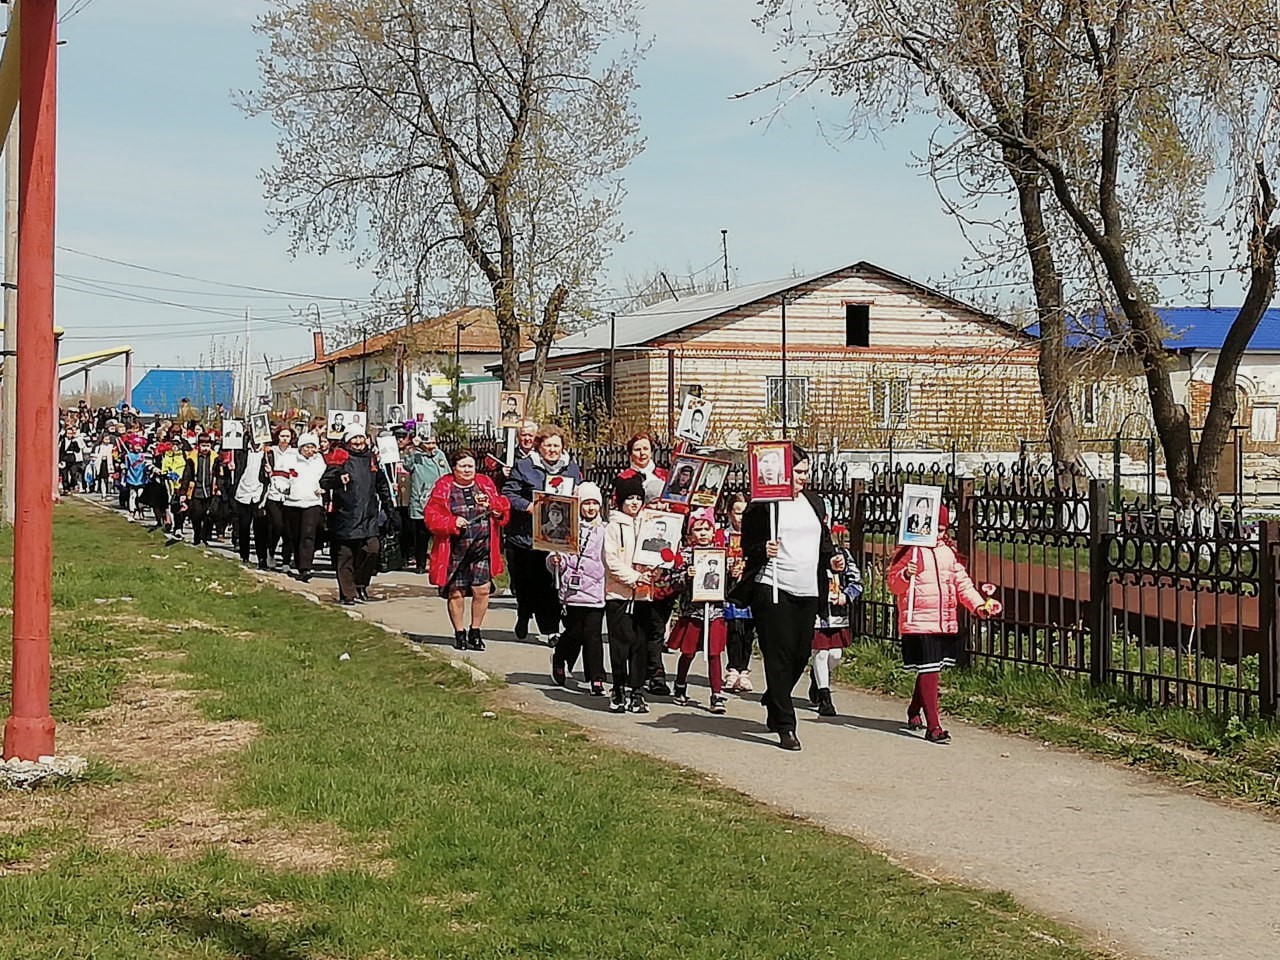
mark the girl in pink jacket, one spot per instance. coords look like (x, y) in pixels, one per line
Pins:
(930, 584)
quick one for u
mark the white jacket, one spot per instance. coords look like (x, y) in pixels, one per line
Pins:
(284, 461)
(619, 547)
(249, 489)
(304, 489)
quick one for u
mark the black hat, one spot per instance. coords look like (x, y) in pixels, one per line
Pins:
(627, 486)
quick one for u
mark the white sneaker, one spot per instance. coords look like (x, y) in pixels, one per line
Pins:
(744, 682)
(731, 680)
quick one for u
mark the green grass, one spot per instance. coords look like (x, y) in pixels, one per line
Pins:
(507, 836)
(1223, 755)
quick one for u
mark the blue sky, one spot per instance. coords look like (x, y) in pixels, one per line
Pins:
(159, 168)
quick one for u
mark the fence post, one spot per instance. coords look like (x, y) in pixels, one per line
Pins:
(1099, 606)
(966, 540)
(1269, 656)
(1117, 492)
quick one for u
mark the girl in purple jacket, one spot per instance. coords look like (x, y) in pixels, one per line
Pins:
(580, 579)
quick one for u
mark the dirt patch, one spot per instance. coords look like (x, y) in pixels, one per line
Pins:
(169, 806)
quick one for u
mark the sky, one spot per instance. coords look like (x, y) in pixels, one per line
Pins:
(160, 170)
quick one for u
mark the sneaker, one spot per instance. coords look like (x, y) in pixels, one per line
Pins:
(938, 736)
(557, 671)
(474, 640)
(718, 701)
(915, 721)
(657, 687)
(617, 700)
(731, 680)
(597, 688)
(744, 681)
(637, 704)
(681, 697)
(553, 639)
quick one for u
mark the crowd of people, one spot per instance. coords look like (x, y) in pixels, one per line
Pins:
(789, 586)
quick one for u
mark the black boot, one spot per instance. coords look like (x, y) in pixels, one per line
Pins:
(825, 707)
(459, 639)
(474, 640)
(813, 690)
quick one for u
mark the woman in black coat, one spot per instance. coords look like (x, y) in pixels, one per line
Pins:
(795, 560)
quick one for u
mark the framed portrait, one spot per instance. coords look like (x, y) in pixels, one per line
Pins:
(510, 409)
(734, 546)
(555, 523)
(711, 480)
(682, 480)
(232, 434)
(658, 532)
(423, 430)
(770, 463)
(694, 419)
(342, 420)
(388, 450)
(260, 428)
(918, 516)
(395, 414)
(709, 575)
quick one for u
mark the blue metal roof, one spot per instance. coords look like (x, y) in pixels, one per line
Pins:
(1201, 328)
(161, 391)
(1189, 328)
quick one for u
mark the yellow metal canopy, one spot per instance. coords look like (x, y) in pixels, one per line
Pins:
(96, 355)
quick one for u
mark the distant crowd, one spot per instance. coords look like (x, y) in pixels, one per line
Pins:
(789, 585)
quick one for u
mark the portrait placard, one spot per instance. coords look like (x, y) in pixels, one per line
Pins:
(260, 427)
(510, 409)
(710, 482)
(695, 416)
(658, 538)
(340, 421)
(232, 434)
(682, 479)
(770, 463)
(555, 523)
(388, 450)
(709, 575)
(918, 516)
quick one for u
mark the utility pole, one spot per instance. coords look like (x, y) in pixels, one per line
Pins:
(724, 245)
(9, 401)
(785, 391)
(28, 733)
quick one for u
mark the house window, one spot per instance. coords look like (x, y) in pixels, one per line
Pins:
(796, 399)
(857, 324)
(1090, 404)
(891, 402)
(1262, 425)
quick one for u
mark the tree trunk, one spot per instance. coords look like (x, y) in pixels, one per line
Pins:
(543, 340)
(1046, 280)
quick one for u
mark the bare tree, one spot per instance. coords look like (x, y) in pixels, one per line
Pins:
(457, 145)
(1108, 119)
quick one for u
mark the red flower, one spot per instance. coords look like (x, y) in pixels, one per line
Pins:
(839, 529)
(555, 482)
(668, 555)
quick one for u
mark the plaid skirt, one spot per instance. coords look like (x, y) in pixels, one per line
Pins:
(469, 565)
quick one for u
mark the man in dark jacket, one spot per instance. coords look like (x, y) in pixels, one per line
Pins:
(362, 502)
(198, 488)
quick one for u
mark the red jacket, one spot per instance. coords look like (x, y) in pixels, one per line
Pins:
(442, 523)
(940, 587)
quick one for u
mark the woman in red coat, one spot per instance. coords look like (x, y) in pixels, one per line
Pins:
(465, 514)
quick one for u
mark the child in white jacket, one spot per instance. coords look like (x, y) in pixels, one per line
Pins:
(627, 596)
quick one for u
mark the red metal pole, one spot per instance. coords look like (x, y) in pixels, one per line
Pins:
(28, 733)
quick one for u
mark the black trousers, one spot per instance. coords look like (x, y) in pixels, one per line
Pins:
(653, 621)
(786, 640)
(357, 562)
(301, 526)
(198, 511)
(277, 533)
(742, 634)
(249, 519)
(535, 588)
(627, 658)
(582, 626)
(415, 540)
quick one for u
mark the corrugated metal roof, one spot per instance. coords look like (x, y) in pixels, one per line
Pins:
(661, 319)
(161, 391)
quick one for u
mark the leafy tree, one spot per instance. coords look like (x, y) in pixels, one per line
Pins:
(457, 146)
(1107, 121)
